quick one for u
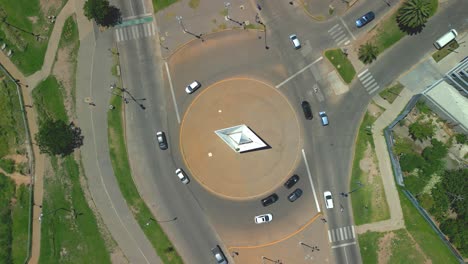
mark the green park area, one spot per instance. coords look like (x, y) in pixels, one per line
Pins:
(342, 64)
(392, 92)
(442, 53)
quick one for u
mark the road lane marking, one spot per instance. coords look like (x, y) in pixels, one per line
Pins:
(344, 245)
(297, 73)
(311, 182)
(117, 215)
(172, 92)
(333, 28)
(349, 31)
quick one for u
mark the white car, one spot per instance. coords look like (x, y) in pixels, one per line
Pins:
(192, 87)
(328, 200)
(182, 177)
(264, 218)
(295, 41)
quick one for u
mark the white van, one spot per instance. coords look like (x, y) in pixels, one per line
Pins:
(445, 39)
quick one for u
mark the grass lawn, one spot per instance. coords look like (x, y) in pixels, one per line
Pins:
(442, 53)
(20, 219)
(391, 93)
(28, 51)
(159, 5)
(365, 209)
(342, 64)
(388, 33)
(12, 133)
(119, 158)
(64, 237)
(48, 96)
(369, 246)
(423, 234)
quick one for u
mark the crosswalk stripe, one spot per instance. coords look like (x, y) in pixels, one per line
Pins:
(341, 41)
(333, 28)
(363, 72)
(352, 229)
(365, 77)
(337, 33)
(124, 34)
(147, 30)
(341, 233)
(329, 236)
(371, 85)
(373, 90)
(347, 42)
(117, 37)
(346, 233)
(153, 28)
(368, 81)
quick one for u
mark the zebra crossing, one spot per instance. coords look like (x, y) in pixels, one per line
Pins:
(368, 81)
(339, 35)
(341, 234)
(135, 32)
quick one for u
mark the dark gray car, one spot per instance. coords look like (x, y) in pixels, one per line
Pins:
(295, 195)
(219, 255)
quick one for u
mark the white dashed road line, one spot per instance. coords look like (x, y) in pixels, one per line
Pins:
(172, 92)
(297, 73)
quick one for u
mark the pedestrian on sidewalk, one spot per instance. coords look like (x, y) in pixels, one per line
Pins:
(92, 103)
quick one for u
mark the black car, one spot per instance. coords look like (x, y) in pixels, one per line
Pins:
(219, 255)
(161, 137)
(362, 21)
(295, 195)
(291, 181)
(307, 111)
(270, 200)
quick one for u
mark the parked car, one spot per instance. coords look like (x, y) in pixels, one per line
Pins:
(161, 137)
(365, 19)
(295, 41)
(192, 87)
(219, 255)
(291, 181)
(295, 195)
(323, 118)
(270, 200)
(264, 218)
(182, 176)
(307, 110)
(328, 199)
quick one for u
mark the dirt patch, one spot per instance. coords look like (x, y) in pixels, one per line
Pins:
(63, 71)
(18, 178)
(385, 247)
(117, 257)
(17, 158)
(418, 248)
(33, 19)
(51, 7)
(374, 110)
(368, 165)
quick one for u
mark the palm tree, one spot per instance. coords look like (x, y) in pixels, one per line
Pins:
(413, 15)
(368, 53)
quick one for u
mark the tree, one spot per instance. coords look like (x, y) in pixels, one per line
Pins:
(435, 152)
(102, 12)
(421, 131)
(58, 138)
(368, 53)
(413, 15)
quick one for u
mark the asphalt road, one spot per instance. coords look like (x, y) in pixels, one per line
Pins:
(328, 149)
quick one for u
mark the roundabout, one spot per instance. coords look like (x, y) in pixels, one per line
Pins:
(218, 167)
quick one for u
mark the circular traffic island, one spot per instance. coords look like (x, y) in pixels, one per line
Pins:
(235, 161)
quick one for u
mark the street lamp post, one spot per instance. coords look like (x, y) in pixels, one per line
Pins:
(271, 260)
(164, 221)
(179, 18)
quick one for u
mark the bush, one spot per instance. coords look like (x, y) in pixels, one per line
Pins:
(403, 145)
(8, 165)
(415, 184)
(461, 138)
(436, 152)
(421, 131)
(409, 162)
(422, 107)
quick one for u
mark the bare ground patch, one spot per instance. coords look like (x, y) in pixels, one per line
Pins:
(385, 247)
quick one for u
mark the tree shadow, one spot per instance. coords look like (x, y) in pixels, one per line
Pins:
(410, 30)
(113, 17)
